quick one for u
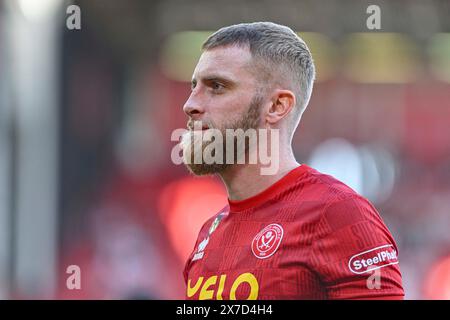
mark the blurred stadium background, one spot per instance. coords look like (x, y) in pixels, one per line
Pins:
(86, 117)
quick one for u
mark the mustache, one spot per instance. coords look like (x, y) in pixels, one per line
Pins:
(191, 124)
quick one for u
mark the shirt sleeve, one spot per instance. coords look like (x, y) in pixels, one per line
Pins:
(201, 235)
(187, 264)
(354, 254)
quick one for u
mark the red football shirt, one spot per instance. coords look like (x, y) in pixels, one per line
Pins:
(308, 236)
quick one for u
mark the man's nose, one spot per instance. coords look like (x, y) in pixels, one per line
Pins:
(193, 108)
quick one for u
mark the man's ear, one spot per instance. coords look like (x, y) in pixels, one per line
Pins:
(282, 103)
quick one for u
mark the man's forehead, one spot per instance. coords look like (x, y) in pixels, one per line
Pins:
(230, 62)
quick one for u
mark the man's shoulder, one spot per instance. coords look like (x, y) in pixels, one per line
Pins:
(324, 200)
(338, 205)
(209, 223)
(324, 188)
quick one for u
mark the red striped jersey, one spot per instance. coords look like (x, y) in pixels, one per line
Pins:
(308, 236)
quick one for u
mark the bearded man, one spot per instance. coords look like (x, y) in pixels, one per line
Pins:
(295, 233)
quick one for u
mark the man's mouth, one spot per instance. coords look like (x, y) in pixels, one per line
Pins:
(197, 126)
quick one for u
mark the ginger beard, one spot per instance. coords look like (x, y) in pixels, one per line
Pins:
(249, 120)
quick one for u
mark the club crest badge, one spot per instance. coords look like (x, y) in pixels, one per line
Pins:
(267, 241)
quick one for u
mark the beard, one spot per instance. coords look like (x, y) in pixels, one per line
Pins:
(192, 140)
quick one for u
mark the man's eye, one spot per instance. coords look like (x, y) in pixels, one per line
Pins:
(217, 86)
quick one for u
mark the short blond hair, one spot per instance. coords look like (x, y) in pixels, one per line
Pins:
(282, 54)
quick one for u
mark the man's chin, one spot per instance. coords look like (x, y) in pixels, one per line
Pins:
(203, 169)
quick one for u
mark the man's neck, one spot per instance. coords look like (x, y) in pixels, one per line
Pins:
(245, 181)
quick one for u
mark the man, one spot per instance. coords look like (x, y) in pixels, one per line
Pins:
(293, 234)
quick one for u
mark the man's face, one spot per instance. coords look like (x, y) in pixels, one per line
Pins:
(224, 96)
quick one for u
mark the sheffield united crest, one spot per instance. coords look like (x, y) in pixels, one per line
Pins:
(267, 241)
